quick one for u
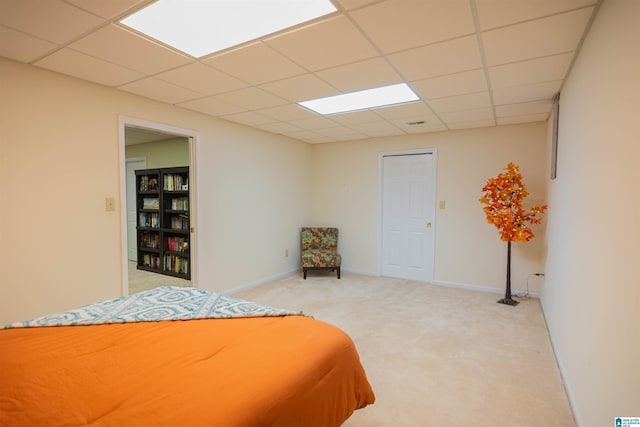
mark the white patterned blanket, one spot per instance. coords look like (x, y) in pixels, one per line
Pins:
(163, 303)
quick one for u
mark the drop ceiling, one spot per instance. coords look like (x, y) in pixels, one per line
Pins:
(474, 63)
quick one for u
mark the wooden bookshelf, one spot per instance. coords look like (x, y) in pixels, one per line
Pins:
(163, 229)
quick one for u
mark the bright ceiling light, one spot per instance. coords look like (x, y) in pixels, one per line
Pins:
(200, 27)
(369, 98)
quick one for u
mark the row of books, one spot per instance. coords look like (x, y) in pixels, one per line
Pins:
(179, 222)
(150, 203)
(176, 182)
(149, 240)
(180, 203)
(149, 219)
(177, 244)
(176, 264)
(148, 183)
(150, 260)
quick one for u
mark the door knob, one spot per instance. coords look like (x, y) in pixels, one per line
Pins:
(428, 225)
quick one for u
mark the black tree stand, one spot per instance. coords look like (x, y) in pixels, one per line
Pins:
(507, 295)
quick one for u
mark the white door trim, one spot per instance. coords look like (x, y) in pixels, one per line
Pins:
(381, 157)
(194, 144)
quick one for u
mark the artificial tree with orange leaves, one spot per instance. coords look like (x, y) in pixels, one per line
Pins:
(503, 197)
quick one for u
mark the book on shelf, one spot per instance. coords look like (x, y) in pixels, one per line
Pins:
(180, 222)
(150, 203)
(149, 219)
(173, 182)
(180, 204)
(176, 264)
(149, 260)
(150, 240)
(148, 183)
(177, 244)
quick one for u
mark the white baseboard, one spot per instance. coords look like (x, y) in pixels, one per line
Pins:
(481, 288)
(260, 282)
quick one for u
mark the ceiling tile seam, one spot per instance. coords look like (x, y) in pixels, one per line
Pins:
(537, 18)
(533, 58)
(457, 95)
(483, 57)
(386, 59)
(587, 28)
(128, 11)
(541, 82)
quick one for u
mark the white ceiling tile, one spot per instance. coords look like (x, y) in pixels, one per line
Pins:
(255, 63)
(365, 74)
(211, 106)
(251, 98)
(22, 47)
(202, 79)
(355, 4)
(412, 109)
(541, 117)
(420, 22)
(287, 112)
(160, 90)
(106, 8)
(376, 128)
(451, 85)
(497, 13)
(532, 92)
(85, 67)
(279, 127)
(356, 117)
(467, 115)
(305, 135)
(525, 108)
(461, 102)
(533, 71)
(337, 38)
(123, 47)
(533, 39)
(448, 57)
(313, 123)
(300, 88)
(51, 20)
(415, 125)
(340, 131)
(472, 124)
(249, 118)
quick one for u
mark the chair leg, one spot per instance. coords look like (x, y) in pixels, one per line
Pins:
(338, 272)
(304, 272)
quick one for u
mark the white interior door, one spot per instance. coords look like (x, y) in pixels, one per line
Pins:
(408, 216)
(133, 164)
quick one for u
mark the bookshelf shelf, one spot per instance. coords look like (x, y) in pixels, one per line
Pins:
(163, 228)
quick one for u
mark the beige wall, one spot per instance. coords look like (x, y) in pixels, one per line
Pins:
(161, 154)
(591, 294)
(468, 250)
(59, 160)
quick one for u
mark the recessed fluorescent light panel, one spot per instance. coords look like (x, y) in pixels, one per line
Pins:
(369, 98)
(201, 27)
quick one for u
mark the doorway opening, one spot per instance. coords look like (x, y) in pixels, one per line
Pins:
(151, 146)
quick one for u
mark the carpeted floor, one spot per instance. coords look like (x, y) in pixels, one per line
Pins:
(435, 356)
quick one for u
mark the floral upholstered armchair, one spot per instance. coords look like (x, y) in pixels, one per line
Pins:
(319, 249)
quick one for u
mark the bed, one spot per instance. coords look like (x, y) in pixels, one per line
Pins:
(179, 357)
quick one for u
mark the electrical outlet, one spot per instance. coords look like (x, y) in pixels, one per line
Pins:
(443, 205)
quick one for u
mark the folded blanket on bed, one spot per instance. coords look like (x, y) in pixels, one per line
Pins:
(163, 303)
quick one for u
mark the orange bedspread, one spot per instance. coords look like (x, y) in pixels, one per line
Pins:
(270, 371)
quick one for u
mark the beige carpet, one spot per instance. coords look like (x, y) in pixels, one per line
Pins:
(141, 280)
(435, 356)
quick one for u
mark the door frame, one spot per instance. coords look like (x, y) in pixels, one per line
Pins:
(381, 156)
(131, 160)
(193, 137)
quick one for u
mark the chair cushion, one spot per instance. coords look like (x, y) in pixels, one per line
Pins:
(320, 258)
